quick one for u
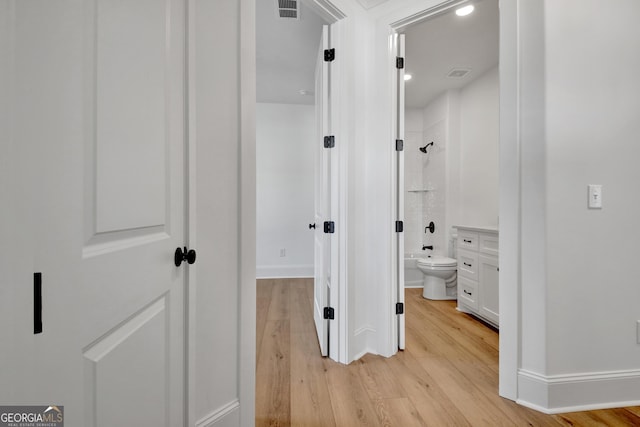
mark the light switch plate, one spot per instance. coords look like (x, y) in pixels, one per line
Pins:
(595, 196)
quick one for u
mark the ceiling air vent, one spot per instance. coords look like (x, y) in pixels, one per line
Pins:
(457, 73)
(288, 9)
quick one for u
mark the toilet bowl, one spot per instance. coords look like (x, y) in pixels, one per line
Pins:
(440, 277)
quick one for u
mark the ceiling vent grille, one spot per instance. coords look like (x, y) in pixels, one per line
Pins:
(289, 9)
(457, 73)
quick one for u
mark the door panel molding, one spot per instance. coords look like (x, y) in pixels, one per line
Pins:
(125, 140)
(127, 358)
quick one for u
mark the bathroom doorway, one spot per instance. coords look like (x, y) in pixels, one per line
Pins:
(449, 122)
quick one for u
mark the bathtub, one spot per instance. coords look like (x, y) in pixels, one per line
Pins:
(412, 276)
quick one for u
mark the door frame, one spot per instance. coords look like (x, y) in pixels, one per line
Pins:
(509, 168)
(247, 223)
(247, 217)
(190, 238)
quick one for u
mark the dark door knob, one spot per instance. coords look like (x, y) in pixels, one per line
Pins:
(184, 255)
(312, 226)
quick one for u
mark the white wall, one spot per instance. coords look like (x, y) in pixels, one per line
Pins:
(592, 134)
(285, 199)
(579, 301)
(479, 124)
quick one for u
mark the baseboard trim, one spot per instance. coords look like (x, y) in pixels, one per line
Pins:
(362, 337)
(227, 415)
(284, 271)
(578, 392)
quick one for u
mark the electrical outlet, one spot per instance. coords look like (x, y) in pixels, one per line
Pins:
(283, 252)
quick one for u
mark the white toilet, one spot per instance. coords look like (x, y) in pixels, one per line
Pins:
(440, 277)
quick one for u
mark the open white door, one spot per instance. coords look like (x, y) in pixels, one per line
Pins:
(98, 114)
(399, 187)
(325, 226)
(326, 246)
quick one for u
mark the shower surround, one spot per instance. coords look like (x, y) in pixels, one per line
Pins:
(426, 180)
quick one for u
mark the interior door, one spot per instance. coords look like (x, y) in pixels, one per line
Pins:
(399, 189)
(322, 192)
(98, 107)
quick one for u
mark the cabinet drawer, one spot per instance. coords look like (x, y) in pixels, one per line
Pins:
(468, 264)
(468, 292)
(467, 240)
(488, 244)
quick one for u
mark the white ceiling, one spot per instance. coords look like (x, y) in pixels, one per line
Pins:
(287, 50)
(435, 47)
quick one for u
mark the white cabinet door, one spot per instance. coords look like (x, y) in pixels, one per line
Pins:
(488, 296)
(98, 111)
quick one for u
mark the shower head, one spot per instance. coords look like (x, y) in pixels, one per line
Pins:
(424, 149)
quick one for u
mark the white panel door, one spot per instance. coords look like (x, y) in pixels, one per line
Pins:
(98, 111)
(322, 194)
(398, 261)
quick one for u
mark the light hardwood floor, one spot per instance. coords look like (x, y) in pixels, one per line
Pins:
(447, 376)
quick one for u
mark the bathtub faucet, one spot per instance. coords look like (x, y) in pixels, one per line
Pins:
(430, 247)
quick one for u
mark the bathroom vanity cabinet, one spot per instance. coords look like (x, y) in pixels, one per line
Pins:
(478, 272)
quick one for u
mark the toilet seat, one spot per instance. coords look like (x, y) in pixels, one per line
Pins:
(437, 261)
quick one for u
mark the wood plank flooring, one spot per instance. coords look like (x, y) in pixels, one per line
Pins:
(447, 376)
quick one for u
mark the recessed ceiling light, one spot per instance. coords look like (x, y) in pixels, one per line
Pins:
(407, 77)
(464, 11)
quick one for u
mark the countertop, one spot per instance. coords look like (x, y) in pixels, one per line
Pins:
(486, 229)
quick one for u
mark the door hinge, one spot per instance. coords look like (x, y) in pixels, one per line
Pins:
(329, 55)
(399, 62)
(399, 145)
(399, 226)
(399, 308)
(329, 313)
(329, 227)
(329, 141)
